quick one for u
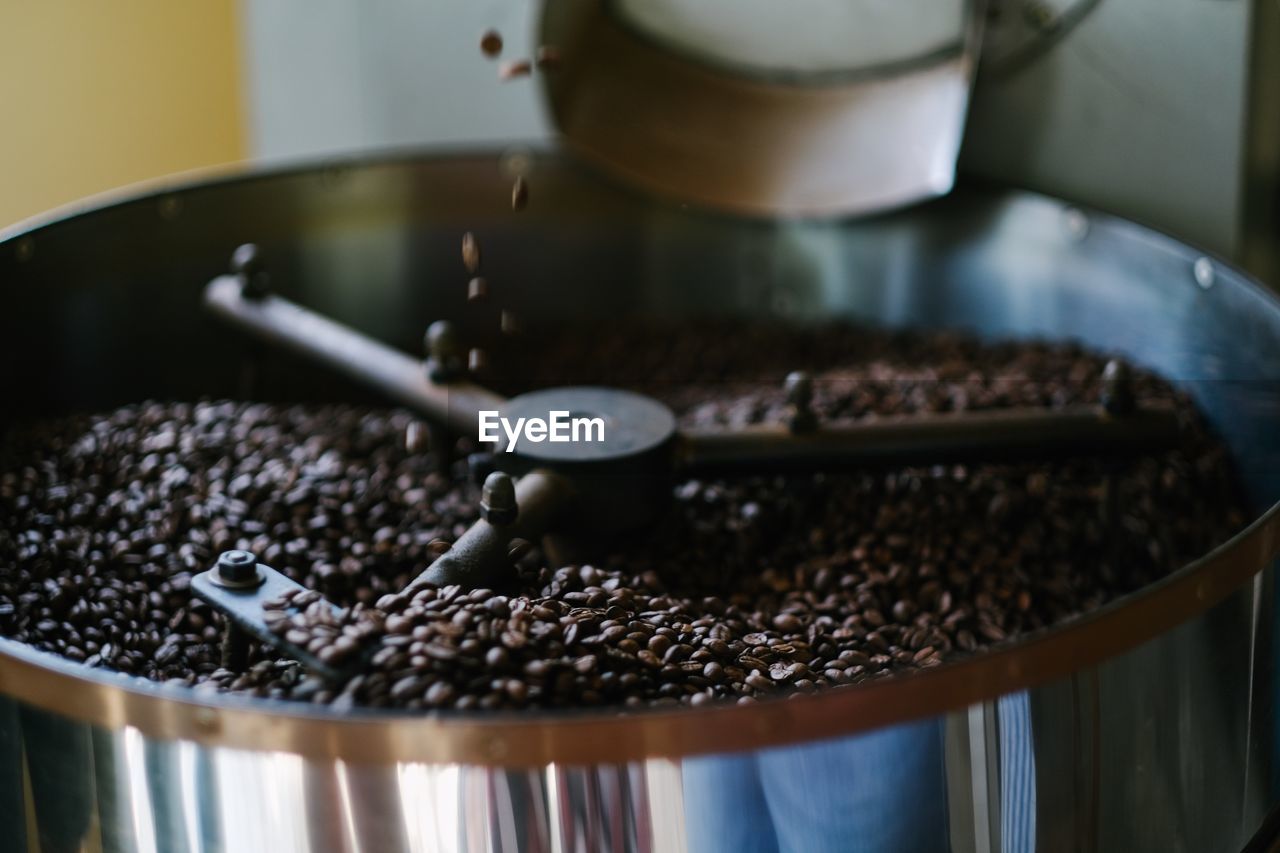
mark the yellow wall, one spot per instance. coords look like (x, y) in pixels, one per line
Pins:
(95, 94)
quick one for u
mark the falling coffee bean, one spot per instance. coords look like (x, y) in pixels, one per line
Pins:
(514, 69)
(519, 193)
(491, 43)
(470, 253)
(510, 323)
(416, 437)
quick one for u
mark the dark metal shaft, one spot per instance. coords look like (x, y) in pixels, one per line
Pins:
(235, 647)
(480, 558)
(400, 377)
(930, 439)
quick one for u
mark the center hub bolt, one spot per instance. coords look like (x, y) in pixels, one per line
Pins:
(237, 569)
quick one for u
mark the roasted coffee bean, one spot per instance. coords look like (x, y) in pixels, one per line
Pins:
(440, 694)
(409, 686)
(787, 622)
(415, 441)
(659, 644)
(514, 69)
(509, 322)
(491, 43)
(519, 193)
(471, 253)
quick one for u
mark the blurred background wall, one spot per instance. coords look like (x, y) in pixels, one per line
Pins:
(95, 94)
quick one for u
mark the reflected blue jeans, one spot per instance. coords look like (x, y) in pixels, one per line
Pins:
(882, 792)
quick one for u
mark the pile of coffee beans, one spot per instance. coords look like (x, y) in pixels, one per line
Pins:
(749, 587)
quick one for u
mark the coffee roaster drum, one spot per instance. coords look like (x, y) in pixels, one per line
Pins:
(1149, 725)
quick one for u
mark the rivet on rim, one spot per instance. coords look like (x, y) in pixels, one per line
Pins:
(1076, 222)
(1204, 273)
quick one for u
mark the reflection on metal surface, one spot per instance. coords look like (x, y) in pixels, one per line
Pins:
(1151, 724)
(883, 792)
(429, 803)
(143, 816)
(189, 795)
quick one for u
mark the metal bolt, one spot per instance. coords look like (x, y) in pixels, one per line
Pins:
(1117, 388)
(247, 265)
(444, 356)
(237, 569)
(498, 499)
(799, 388)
